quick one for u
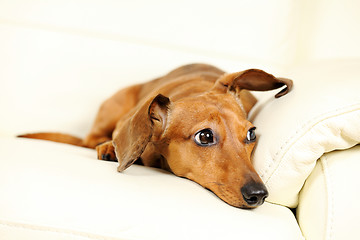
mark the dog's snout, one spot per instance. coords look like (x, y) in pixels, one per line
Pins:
(254, 193)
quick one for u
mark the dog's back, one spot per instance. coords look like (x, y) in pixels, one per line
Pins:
(179, 79)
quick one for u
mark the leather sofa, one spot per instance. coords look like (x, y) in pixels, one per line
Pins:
(60, 59)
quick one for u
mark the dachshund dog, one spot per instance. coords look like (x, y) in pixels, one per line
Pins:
(191, 122)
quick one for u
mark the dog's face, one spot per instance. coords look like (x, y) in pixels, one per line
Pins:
(205, 138)
(211, 143)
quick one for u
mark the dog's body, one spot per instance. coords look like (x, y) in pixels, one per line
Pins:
(191, 122)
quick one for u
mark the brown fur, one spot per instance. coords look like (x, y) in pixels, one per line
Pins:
(156, 122)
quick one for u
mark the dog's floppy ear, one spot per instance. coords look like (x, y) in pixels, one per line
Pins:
(255, 80)
(135, 132)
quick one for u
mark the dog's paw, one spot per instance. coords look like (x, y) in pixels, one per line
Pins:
(106, 151)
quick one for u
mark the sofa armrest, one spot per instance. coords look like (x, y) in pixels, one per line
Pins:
(321, 114)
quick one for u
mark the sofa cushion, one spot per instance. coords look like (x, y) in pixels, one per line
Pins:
(57, 191)
(320, 115)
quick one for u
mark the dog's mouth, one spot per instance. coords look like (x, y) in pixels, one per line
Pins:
(250, 196)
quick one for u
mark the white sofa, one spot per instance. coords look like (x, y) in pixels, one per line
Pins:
(60, 59)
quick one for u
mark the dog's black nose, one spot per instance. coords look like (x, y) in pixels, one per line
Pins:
(254, 193)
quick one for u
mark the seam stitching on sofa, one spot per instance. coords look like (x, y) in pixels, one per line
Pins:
(55, 230)
(284, 149)
(324, 172)
(330, 206)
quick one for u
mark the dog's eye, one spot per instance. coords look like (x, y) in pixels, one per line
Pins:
(251, 136)
(205, 137)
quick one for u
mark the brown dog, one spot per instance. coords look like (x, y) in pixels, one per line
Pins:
(191, 122)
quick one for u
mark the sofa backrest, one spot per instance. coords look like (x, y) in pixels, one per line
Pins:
(60, 59)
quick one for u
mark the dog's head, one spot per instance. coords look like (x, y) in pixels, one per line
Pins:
(205, 138)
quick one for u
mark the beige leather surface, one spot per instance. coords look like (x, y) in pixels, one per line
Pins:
(320, 115)
(328, 204)
(56, 191)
